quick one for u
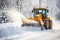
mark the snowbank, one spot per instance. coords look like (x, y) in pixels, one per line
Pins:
(9, 30)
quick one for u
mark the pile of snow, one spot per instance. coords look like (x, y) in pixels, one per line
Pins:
(9, 30)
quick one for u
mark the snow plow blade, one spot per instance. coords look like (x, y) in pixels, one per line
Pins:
(34, 24)
(27, 24)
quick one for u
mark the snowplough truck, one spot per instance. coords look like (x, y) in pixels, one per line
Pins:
(40, 16)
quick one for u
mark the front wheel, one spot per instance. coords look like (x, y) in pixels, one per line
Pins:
(48, 24)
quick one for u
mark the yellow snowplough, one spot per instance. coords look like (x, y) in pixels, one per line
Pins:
(41, 17)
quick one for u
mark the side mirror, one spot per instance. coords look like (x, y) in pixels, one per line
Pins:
(47, 10)
(33, 11)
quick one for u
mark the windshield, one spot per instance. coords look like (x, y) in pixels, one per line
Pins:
(43, 12)
(38, 11)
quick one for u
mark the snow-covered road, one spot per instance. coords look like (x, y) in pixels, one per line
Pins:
(44, 35)
(41, 35)
(29, 33)
(35, 33)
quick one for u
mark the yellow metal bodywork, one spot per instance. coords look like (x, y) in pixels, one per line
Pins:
(39, 18)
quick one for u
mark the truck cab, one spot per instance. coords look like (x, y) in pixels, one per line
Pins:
(41, 11)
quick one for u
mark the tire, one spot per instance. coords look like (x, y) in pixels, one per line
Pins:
(46, 24)
(50, 24)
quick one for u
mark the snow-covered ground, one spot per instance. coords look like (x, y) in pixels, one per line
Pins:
(35, 33)
(10, 31)
(42, 35)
